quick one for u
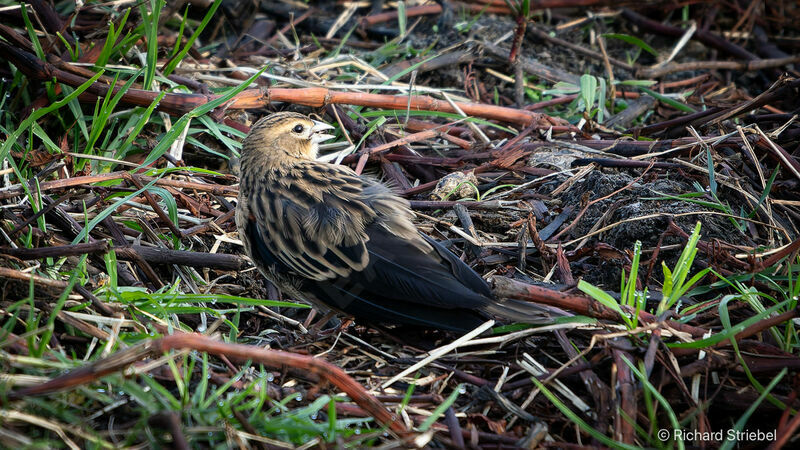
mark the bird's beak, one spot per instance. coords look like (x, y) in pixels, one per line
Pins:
(318, 132)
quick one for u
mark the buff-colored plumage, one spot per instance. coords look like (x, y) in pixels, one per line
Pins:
(314, 214)
(326, 235)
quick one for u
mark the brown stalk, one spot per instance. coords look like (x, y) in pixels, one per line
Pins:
(508, 288)
(626, 386)
(519, 34)
(6, 273)
(157, 255)
(408, 139)
(58, 251)
(154, 204)
(216, 189)
(706, 37)
(745, 66)
(744, 334)
(177, 103)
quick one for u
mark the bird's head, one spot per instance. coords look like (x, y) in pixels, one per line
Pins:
(286, 135)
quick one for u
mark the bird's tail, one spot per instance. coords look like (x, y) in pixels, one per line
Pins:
(525, 312)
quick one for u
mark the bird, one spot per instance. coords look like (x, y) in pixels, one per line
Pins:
(346, 242)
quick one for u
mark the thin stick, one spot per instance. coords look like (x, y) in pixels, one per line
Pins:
(439, 352)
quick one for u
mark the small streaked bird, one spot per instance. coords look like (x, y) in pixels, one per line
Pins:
(323, 234)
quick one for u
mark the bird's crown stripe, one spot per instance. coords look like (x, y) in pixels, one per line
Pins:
(279, 116)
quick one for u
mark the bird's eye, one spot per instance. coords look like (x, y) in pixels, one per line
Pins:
(298, 129)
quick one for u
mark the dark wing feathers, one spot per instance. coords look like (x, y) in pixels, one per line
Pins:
(461, 271)
(407, 274)
(258, 249)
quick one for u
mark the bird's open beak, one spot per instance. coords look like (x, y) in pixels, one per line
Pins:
(318, 132)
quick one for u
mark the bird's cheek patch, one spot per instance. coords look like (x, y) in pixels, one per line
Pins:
(306, 150)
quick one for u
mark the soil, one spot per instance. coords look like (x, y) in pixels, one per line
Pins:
(627, 204)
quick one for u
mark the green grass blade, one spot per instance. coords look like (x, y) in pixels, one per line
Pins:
(577, 420)
(766, 192)
(673, 419)
(184, 121)
(39, 113)
(603, 297)
(588, 91)
(150, 22)
(401, 17)
(729, 443)
(177, 59)
(633, 40)
(666, 100)
(430, 420)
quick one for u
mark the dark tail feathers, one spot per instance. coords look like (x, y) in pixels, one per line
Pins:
(520, 311)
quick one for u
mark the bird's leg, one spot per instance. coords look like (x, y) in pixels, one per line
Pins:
(343, 325)
(317, 327)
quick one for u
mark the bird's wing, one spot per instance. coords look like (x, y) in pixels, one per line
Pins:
(433, 276)
(312, 220)
(402, 278)
(328, 224)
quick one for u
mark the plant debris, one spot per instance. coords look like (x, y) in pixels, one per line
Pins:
(635, 167)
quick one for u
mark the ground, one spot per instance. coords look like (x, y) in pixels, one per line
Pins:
(132, 317)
